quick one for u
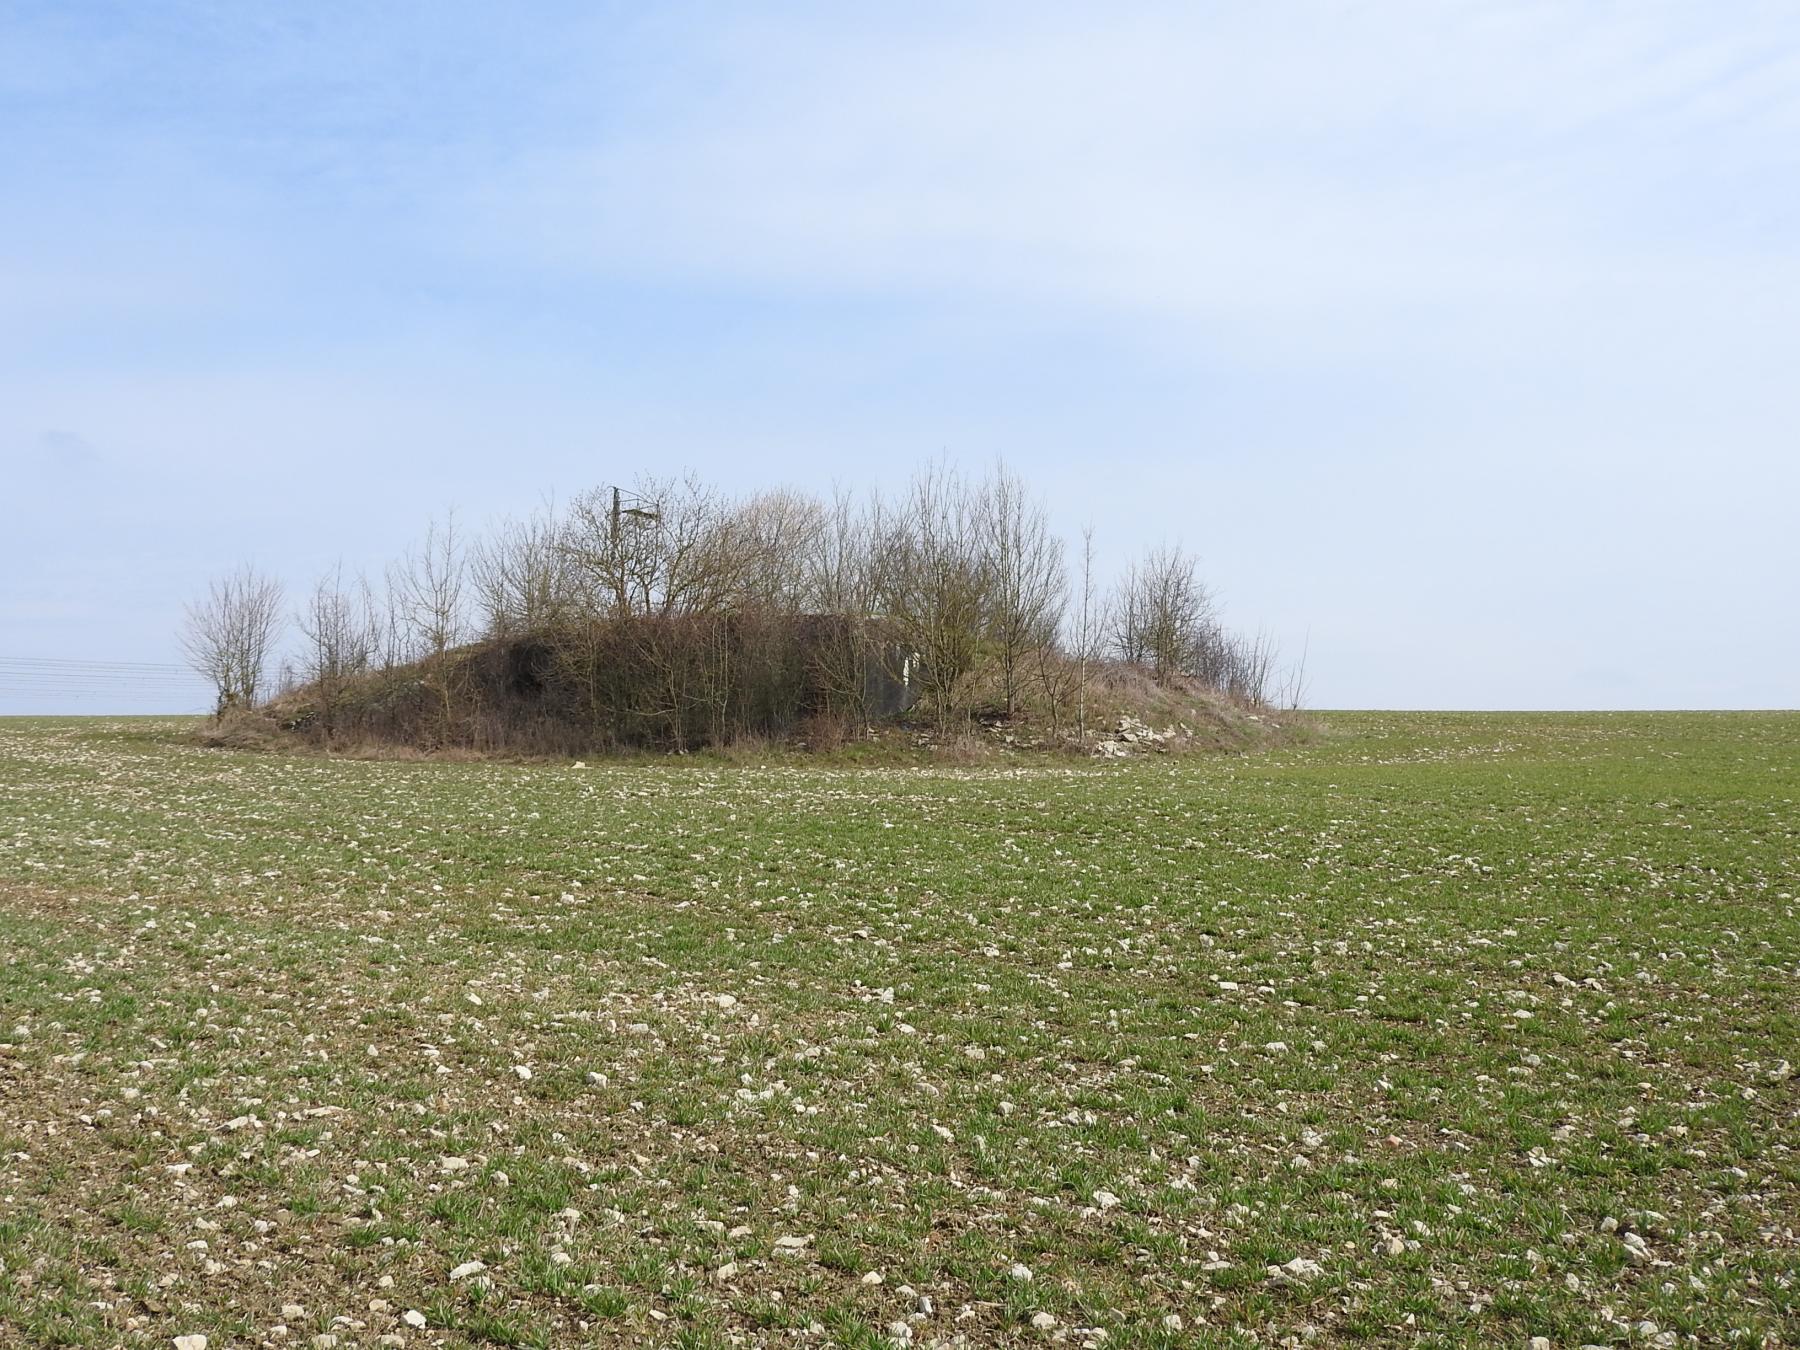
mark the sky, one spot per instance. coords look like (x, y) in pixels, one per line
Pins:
(1460, 341)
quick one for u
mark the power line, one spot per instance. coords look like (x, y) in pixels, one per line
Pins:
(86, 695)
(50, 682)
(53, 674)
(46, 668)
(135, 682)
(92, 673)
(74, 662)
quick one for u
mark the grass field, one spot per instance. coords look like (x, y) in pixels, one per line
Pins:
(1447, 1029)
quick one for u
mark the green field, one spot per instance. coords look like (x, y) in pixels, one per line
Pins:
(1442, 1029)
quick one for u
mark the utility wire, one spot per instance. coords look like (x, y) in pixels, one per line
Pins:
(38, 681)
(71, 663)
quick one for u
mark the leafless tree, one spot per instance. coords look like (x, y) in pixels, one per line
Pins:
(666, 547)
(429, 589)
(1292, 693)
(343, 634)
(1162, 612)
(392, 645)
(1026, 580)
(776, 536)
(428, 586)
(1208, 654)
(841, 588)
(229, 635)
(523, 576)
(1250, 666)
(933, 580)
(1087, 631)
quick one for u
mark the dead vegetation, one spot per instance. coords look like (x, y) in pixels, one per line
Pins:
(392, 716)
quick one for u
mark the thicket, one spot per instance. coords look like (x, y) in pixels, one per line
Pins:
(674, 615)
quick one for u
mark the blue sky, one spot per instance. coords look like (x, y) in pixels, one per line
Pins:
(1460, 341)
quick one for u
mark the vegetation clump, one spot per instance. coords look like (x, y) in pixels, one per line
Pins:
(673, 616)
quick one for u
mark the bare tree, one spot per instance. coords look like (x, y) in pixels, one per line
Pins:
(607, 544)
(428, 587)
(1293, 686)
(1087, 631)
(776, 537)
(430, 584)
(1162, 613)
(392, 644)
(840, 587)
(343, 634)
(933, 580)
(666, 547)
(523, 576)
(1250, 665)
(1026, 580)
(229, 636)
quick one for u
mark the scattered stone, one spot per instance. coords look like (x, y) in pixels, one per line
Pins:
(1540, 1343)
(1106, 1199)
(292, 1312)
(414, 1319)
(1297, 1271)
(524, 1072)
(468, 1268)
(728, 1271)
(1043, 1321)
(190, 1343)
(872, 1277)
(1020, 1271)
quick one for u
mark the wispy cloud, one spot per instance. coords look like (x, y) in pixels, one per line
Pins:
(1391, 155)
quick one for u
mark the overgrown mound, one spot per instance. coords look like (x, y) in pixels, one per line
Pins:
(674, 617)
(670, 685)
